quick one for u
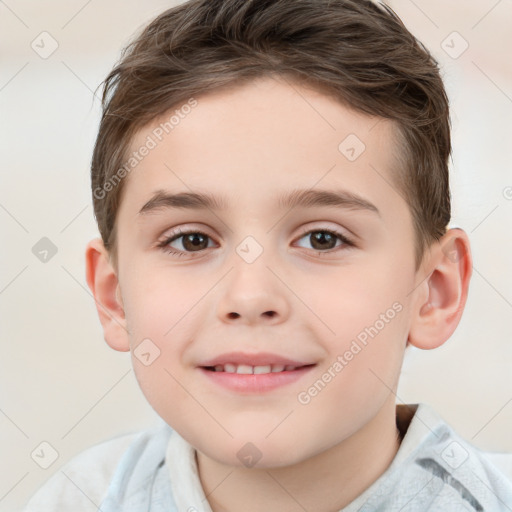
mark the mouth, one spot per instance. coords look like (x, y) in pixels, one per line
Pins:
(246, 369)
(254, 373)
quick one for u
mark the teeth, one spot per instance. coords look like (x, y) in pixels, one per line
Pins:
(246, 369)
(261, 369)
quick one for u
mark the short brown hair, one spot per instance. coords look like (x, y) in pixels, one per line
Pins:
(355, 50)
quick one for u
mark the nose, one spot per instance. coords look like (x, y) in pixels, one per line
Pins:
(253, 294)
(233, 314)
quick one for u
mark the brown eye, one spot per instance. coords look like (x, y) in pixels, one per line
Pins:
(322, 240)
(185, 243)
(325, 240)
(194, 241)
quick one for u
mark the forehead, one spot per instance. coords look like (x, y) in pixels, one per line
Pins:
(249, 142)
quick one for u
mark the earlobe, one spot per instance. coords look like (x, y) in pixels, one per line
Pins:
(442, 296)
(104, 285)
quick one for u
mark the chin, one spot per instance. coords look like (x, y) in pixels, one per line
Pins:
(256, 451)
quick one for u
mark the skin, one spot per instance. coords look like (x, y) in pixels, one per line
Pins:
(250, 144)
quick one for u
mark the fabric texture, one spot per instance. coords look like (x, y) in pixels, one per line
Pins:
(156, 471)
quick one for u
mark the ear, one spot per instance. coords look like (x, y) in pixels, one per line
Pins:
(442, 295)
(104, 285)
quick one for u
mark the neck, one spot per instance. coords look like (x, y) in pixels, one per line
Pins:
(327, 482)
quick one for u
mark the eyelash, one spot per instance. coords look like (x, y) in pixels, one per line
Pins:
(164, 244)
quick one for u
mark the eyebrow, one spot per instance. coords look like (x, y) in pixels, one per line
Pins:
(305, 198)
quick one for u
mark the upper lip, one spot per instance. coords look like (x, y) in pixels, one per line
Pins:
(259, 359)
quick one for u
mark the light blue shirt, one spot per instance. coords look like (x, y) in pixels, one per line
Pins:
(434, 470)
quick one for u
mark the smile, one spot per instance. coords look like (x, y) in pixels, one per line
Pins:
(253, 374)
(246, 369)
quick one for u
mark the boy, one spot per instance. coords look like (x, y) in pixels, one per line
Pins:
(300, 148)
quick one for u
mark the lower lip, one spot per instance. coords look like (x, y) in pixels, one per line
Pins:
(256, 383)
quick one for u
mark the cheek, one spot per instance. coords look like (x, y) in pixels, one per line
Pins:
(365, 328)
(350, 300)
(359, 375)
(160, 304)
(160, 310)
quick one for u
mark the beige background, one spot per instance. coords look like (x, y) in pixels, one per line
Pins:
(61, 383)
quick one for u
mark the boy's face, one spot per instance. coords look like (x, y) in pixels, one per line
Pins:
(265, 278)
